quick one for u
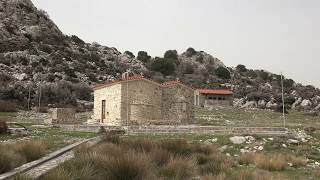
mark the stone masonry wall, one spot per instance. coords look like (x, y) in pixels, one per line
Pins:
(112, 95)
(144, 102)
(178, 104)
(63, 116)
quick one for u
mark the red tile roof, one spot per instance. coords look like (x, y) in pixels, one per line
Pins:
(170, 83)
(215, 91)
(139, 77)
(131, 78)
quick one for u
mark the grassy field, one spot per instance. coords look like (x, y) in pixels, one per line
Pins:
(190, 156)
(253, 118)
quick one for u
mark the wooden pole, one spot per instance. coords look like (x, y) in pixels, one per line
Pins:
(283, 103)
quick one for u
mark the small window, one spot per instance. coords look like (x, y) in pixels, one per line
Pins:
(184, 107)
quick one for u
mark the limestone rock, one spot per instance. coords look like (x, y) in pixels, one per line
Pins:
(296, 103)
(211, 141)
(237, 139)
(238, 102)
(306, 103)
(271, 105)
(262, 104)
(250, 104)
(293, 141)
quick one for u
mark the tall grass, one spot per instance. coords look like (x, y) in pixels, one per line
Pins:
(271, 163)
(14, 155)
(179, 168)
(143, 159)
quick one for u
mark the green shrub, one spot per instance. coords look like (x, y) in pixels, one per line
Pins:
(143, 56)
(223, 73)
(130, 54)
(241, 68)
(8, 106)
(171, 54)
(190, 52)
(165, 66)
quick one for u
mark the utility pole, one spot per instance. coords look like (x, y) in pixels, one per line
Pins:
(283, 103)
(40, 94)
(29, 95)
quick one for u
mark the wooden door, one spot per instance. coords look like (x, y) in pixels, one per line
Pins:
(103, 111)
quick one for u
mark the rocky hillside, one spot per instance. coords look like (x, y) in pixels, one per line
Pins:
(35, 54)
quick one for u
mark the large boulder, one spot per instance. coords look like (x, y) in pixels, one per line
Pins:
(238, 102)
(238, 139)
(306, 104)
(262, 104)
(296, 103)
(271, 105)
(250, 104)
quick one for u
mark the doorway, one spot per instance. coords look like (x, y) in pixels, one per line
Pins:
(103, 111)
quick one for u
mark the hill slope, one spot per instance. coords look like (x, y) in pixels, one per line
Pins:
(34, 50)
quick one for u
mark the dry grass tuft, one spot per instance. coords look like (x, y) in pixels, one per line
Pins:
(216, 164)
(271, 163)
(14, 155)
(247, 159)
(9, 160)
(179, 168)
(160, 157)
(296, 161)
(32, 150)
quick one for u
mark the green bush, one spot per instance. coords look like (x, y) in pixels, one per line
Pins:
(8, 106)
(130, 54)
(241, 68)
(143, 56)
(223, 73)
(171, 54)
(165, 66)
(190, 52)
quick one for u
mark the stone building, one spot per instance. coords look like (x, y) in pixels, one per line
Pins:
(62, 116)
(136, 100)
(213, 97)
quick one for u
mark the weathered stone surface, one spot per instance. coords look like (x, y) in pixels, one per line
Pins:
(238, 102)
(306, 103)
(250, 104)
(293, 141)
(141, 101)
(271, 105)
(238, 139)
(62, 116)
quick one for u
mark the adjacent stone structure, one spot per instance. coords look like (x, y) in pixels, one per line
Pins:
(62, 116)
(138, 101)
(213, 97)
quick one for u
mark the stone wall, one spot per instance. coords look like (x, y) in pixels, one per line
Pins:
(112, 96)
(141, 101)
(178, 104)
(63, 116)
(144, 102)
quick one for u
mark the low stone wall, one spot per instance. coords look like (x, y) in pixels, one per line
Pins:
(188, 129)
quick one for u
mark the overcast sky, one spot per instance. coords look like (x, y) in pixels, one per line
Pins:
(276, 35)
